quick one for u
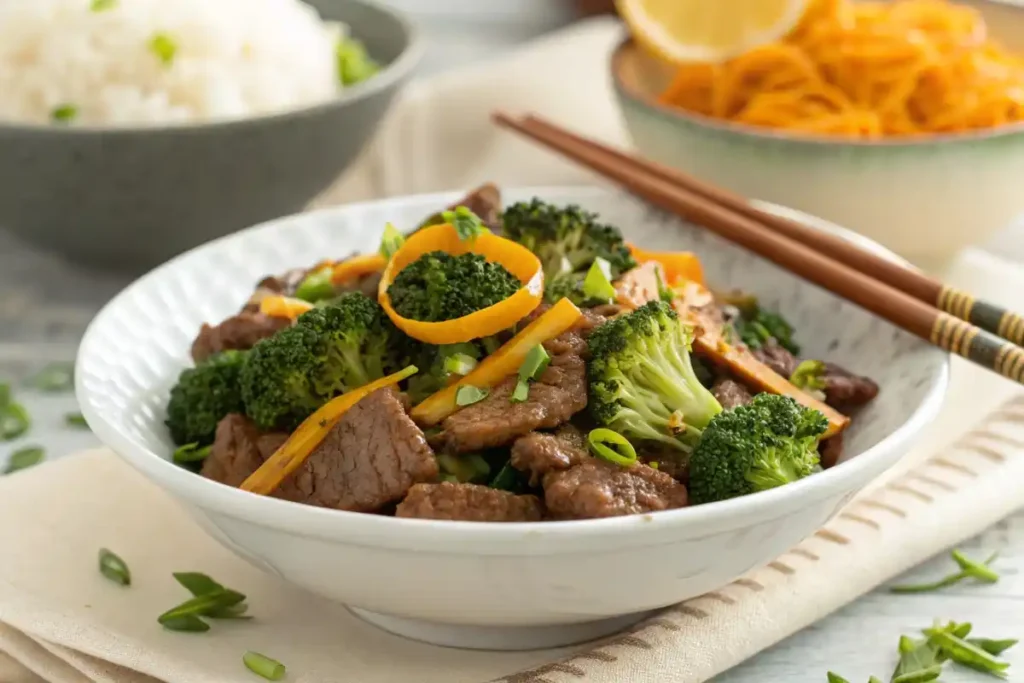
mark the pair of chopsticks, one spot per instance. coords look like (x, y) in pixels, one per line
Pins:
(949, 318)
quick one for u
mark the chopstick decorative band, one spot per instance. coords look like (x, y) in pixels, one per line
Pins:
(979, 346)
(989, 317)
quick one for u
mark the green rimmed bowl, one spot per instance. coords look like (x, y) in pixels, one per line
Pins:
(925, 199)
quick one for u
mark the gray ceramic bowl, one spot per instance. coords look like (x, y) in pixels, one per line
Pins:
(130, 198)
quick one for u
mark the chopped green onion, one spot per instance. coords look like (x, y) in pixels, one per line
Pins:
(836, 678)
(993, 647)
(521, 392)
(164, 48)
(75, 420)
(467, 395)
(612, 446)
(190, 452)
(466, 223)
(535, 363)
(264, 666)
(391, 241)
(102, 5)
(14, 421)
(464, 468)
(969, 569)
(965, 653)
(197, 584)
(597, 285)
(354, 63)
(459, 364)
(809, 375)
(54, 377)
(5, 395)
(64, 113)
(874, 679)
(920, 676)
(188, 623)
(316, 286)
(23, 458)
(114, 568)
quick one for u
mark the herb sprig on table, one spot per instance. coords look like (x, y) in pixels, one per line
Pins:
(969, 569)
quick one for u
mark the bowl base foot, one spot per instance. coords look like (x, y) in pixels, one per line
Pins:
(507, 638)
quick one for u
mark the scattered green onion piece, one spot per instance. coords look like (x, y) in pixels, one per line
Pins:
(354, 63)
(521, 392)
(391, 241)
(75, 420)
(188, 623)
(263, 666)
(23, 458)
(507, 479)
(654, 464)
(197, 584)
(920, 676)
(874, 679)
(466, 223)
(14, 421)
(233, 612)
(114, 568)
(612, 446)
(316, 286)
(836, 678)
(464, 468)
(467, 395)
(459, 364)
(102, 5)
(164, 48)
(5, 395)
(54, 377)
(969, 569)
(535, 363)
(190, 452)
(597, 285)
(64, 113)
(965, 653)
(993, 647)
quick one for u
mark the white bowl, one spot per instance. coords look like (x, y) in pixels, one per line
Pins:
(500, 586)
(926, 199)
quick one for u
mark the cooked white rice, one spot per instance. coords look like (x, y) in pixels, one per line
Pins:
(110, 62)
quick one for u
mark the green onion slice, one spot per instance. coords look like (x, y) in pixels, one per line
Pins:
(164, 48)
(54, 377)
(188, 624)
(521, 392)
(263, 666)
(102, 5)
(809, 375)
(612, 446)
(391, 241)
(114, 568)
(14, 421)
(459, 364)
(23, 458)
(191, 452)
(535, 363)
(466, 223)
(467, 395)
(316, 286)
(75, 420)
(197, 584)
(597, 285)
(64, 113)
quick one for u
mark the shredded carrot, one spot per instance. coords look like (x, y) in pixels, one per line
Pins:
(358, 266)
(502, 363)
(284, 307)
(515, 258)
(304, 440)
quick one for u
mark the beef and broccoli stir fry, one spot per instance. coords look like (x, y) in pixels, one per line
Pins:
(514, 365)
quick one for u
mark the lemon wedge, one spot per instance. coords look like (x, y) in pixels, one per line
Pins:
(708, 30)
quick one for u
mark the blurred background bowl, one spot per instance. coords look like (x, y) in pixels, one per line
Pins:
(925, 199)
(130, 198)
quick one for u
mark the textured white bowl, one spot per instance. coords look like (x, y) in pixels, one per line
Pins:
(925, 199)
(502, 586)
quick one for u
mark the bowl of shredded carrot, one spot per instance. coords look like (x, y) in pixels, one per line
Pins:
(903, 120)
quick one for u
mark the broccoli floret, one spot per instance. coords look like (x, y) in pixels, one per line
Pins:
(203, 396)
(642, 380)
(439, 286)
(567, 240)
(769, 442)
(328, 351)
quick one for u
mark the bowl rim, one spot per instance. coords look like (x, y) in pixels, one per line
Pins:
(388, 77)
(556, 537)
(779, 136)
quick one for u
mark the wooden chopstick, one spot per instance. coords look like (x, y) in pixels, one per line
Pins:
(888, 302)
(987, 316)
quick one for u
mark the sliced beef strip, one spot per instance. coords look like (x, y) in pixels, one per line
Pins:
(666, 460)
(469, 503)
(239, 332)
(370, 458)
(831, 450)
(843, 389)
(495, 421)
(730, 393)
(537, 454)
(596, 488)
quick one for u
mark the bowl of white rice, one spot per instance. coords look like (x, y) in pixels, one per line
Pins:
(134, 130)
